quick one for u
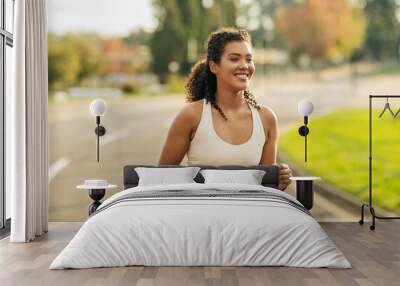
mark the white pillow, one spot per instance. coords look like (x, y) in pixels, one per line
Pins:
(162, 176)
(248, 177)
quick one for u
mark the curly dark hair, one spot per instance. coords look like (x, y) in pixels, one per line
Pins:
(202, 83)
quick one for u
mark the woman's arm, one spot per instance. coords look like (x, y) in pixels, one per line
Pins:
(179, 135)
(270, 124)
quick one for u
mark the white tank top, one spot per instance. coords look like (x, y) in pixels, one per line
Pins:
(207, 148)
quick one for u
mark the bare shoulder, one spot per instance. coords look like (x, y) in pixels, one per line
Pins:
(190, 114)
(192, 110)
(268, 116)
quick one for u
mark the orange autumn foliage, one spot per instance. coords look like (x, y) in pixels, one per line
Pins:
(121, 57)
(322, 29)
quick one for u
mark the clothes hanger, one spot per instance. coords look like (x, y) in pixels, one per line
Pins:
(397, 113)
(387, 107)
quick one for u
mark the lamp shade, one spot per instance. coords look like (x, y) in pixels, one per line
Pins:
(98, 107)
(305, 107)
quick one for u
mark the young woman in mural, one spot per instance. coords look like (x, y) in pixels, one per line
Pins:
(223, 124)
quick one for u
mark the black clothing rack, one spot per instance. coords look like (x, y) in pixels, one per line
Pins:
(369, 205)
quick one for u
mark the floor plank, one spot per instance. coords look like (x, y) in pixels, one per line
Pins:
(374, 255)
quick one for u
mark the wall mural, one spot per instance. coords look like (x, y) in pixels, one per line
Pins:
(154, 70)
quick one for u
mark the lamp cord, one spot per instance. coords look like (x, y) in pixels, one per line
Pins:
(305, 145)
(98, 141)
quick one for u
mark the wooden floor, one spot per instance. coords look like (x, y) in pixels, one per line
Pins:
(374, 255)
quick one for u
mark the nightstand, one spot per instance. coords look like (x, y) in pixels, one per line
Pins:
(304, 190)
(97, 190)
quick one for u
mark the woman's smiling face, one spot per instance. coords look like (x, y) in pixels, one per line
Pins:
(236, 66)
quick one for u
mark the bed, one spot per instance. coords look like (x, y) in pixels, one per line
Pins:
(201, 224)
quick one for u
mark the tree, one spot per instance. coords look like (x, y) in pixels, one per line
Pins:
(258, 17)
(167, 40)
(182, 21)
(71, 59)
(63, 63)
(322, 29)
(139, 36)
(383, 34)
(90, 57)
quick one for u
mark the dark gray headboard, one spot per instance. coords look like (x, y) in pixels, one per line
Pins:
(270, 179)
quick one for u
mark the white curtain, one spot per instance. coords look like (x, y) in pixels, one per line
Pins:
(26, 124)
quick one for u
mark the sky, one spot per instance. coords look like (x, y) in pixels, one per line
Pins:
(105, 17)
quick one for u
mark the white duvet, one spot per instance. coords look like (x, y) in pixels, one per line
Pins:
(183, 231)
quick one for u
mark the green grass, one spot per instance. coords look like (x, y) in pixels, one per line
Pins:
(338, 152)
(389, 69)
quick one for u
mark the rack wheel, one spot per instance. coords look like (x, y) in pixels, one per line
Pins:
(361, 222)
(372, 227)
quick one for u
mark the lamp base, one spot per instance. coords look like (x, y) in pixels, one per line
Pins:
(303, 130)
(100, 130)
(304, 193)
(96, 195)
